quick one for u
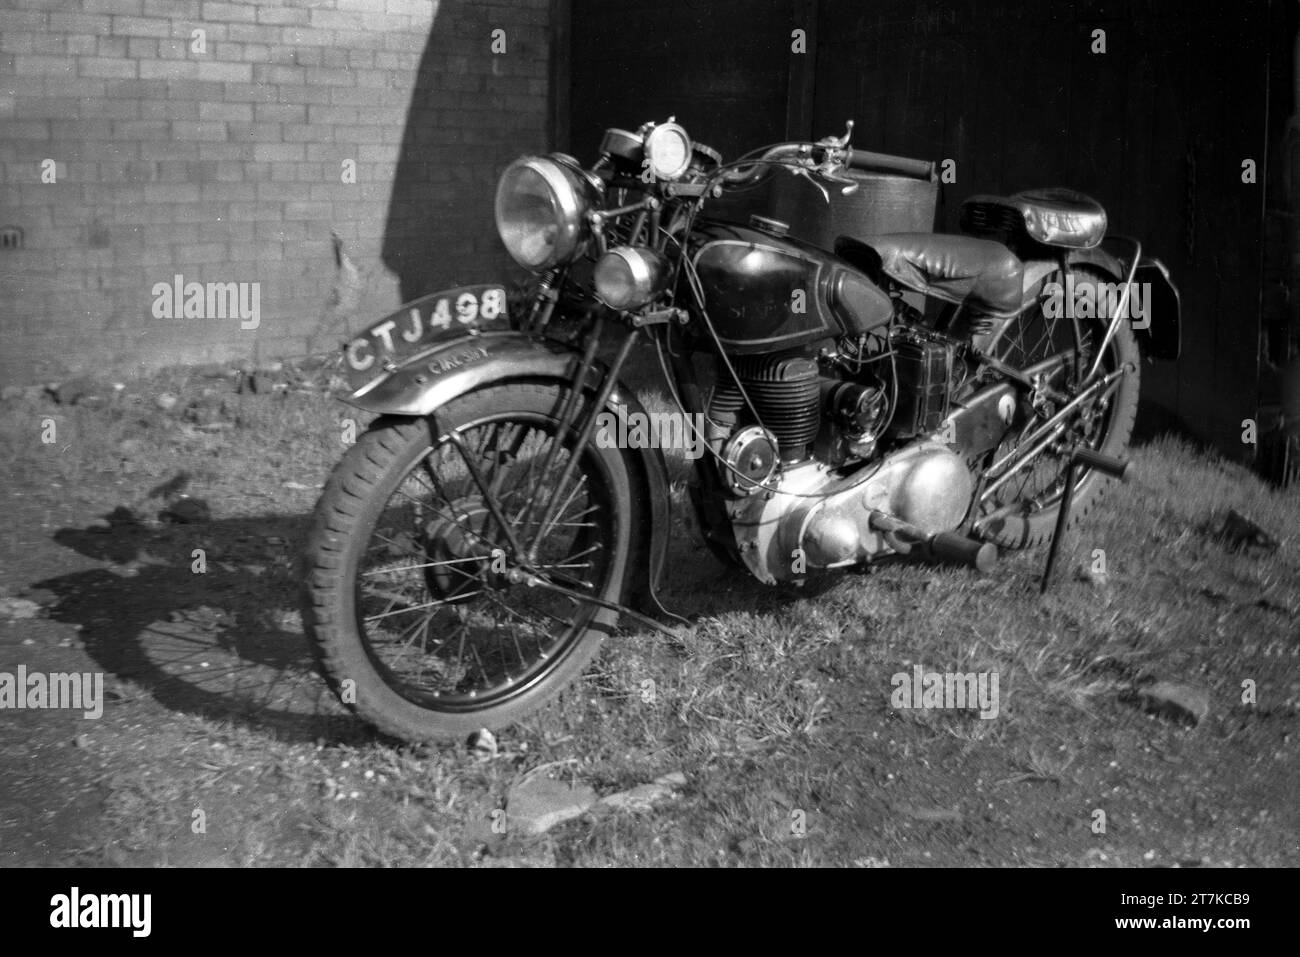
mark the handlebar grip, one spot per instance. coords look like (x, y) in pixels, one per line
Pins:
(884, 163)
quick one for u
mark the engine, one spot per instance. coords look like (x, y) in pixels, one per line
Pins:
(830, 406)
(815, 352)
(836, 406)
(827, 455)
(786, 393)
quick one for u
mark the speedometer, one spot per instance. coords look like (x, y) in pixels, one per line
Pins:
(668, 150)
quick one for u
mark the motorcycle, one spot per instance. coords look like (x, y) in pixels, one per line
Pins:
(471, 550)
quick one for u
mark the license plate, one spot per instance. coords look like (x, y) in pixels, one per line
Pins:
(431, 319)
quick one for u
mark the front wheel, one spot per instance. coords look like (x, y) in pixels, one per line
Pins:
(412, 596)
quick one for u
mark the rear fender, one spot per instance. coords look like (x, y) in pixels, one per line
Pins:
(1159, 331)
(430, 380)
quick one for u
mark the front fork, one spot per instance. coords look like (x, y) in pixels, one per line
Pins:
(568, 419)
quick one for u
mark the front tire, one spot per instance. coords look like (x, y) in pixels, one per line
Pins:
(407, 597)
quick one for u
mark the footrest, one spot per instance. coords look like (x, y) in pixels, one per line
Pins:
(960, 550)
(1116, 468)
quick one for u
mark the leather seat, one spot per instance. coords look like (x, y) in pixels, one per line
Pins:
(981, 274)
(1054, 217)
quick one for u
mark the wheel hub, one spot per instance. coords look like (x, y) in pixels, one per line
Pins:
(464, 558)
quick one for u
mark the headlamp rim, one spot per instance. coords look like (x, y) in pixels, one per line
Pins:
(570, 197)
(647, 270)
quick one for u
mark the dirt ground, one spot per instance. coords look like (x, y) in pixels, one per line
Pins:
(220, 746)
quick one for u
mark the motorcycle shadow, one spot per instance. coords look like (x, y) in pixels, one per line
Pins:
(203, 618)
(697, 584)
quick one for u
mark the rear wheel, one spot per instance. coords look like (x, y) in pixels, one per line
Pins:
(1022, 512)
(413, 599)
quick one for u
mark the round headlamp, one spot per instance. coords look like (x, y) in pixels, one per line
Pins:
(541, 211)
(628, 277)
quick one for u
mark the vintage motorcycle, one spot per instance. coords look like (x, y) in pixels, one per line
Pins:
(901, 394)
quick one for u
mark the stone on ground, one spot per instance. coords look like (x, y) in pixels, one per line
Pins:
(537, 805)
(1177, 701)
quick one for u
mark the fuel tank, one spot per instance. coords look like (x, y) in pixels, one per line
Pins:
(882, 203)
(768, 292)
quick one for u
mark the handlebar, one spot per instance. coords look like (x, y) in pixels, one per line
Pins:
(864, 160)
(884, 163)
(752, 171)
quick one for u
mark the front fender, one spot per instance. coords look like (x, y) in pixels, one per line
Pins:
(434, 377)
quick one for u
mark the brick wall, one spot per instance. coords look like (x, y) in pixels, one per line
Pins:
(227, 164)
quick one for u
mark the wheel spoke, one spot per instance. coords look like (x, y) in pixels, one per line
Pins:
(438, 603)
(407, 568)
(421, 627)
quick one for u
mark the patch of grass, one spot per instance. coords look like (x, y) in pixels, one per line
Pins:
(775, 704)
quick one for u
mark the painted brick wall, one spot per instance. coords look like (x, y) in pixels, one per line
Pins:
(228, 165)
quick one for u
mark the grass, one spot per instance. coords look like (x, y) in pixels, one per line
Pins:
(775, 704)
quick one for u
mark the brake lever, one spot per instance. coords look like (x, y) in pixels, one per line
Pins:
(850, 185)
(808, 175)
(837, 145)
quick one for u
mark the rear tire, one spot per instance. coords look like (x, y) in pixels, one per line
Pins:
(1038, 527)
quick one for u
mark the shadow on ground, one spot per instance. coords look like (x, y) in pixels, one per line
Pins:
(225, 642)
